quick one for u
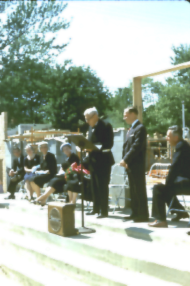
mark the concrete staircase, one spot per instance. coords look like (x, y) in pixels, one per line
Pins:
(117, 254)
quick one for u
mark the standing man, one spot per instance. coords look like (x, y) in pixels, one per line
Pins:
(16, 173)
(134, 155)
(100, 162)
(177, 181)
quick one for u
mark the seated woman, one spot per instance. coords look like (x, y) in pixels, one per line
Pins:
(46, 171)
(31, 162)
(56, 184)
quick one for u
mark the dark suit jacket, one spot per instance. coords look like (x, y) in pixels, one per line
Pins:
(18, 165)
(134, 148)
(101, 133)
(180, 167)
(49, 164)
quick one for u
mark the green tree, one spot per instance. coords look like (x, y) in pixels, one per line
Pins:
(31, 30)
(121, 99)
(72, 91)
(167, 110)
(28, 50)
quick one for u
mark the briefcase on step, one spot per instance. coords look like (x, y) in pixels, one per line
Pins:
(61, 219)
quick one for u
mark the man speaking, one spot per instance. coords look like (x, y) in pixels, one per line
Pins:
(100, 162)
(134, 152)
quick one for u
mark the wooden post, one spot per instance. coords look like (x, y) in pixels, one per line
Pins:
(32, 138)
(137, 96)
(3, 126)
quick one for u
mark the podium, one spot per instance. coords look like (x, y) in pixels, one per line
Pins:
(82, 143)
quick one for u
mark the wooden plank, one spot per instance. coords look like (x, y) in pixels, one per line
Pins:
(171, 69)
(38, 135)
(137, 96)
(52, 132)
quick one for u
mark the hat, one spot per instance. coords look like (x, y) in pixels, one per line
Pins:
(65, 144)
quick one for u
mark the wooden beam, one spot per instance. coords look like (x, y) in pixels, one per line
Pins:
(53, 132)
(137, 96)
(37, 135)
(171, 69)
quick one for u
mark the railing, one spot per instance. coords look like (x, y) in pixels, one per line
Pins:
(158, 151)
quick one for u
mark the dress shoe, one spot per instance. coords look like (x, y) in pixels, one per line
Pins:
(158, 223)
(91, 213)
(180, 216)
(126, 218)
(10, 197)
(141, 219)
(102, 216)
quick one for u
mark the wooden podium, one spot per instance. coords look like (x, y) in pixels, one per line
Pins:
(61, 219)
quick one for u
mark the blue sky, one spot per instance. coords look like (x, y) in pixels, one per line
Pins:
(119, 40)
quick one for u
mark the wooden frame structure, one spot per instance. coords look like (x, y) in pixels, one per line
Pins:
(137, 88)
(33, 136)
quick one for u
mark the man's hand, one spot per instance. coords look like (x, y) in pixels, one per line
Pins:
(123, 164)
(11, 173)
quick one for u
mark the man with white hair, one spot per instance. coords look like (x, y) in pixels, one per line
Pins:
(177, 181)
(100, 162)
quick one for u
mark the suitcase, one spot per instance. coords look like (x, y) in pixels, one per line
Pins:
(61, 219)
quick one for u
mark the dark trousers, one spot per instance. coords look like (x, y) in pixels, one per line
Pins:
(12, 186)
(162, 194)
(138, 194)
(100, 190)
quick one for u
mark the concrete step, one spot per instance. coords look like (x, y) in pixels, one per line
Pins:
(48, 267)
(175, 234)
(6, 279)
(21, 271)
(158, 254)
(116, 249)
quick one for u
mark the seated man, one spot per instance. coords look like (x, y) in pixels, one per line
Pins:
(177, 181)
(16, 173)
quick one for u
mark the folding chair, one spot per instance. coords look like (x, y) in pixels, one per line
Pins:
(158, 173)
(118, 175)
(170, 209)
(22, 189)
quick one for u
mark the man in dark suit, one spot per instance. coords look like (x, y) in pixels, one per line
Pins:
(177, 181)
(134, 152)
(16, 173)
(100, 162)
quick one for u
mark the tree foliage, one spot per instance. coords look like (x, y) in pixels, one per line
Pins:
(33, 88)
(74, 90)
(121, 99)
(31, 30)
(167, 110)
(162, 101)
